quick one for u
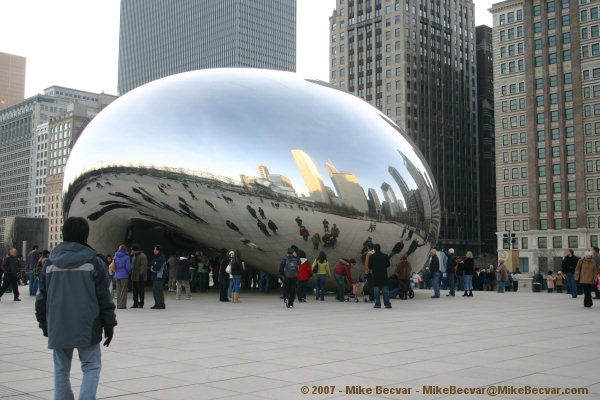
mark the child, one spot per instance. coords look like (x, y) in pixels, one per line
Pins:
(304, 274)
(559, 280)
(550, 281)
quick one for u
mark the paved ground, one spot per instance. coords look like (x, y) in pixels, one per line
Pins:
(203, 349)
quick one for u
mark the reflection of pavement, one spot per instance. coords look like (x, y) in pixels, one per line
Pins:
(199, 211)
(206, 349)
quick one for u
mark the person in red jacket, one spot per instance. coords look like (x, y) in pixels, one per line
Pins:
(304, 274)
(343, 270)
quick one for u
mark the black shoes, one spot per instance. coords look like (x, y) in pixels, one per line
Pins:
(157, 307)
(134, 306)
(17, 299)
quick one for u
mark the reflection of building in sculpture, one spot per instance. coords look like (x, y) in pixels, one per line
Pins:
(374, 203)
(263, 171)
(390, 199)
(430, 202)
(276, 182)
(408, 194)
(348, 188)
(311, 176)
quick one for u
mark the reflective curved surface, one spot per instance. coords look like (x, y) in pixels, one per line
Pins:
(253, 160)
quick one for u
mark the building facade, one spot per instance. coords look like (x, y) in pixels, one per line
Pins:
(159, 39)
(39, 185)
(547, 108)
(415, 61)
(487, 149)
(12, 79)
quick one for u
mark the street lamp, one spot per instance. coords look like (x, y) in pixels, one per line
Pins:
(510, 239)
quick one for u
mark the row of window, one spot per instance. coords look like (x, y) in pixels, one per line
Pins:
(515, 138)
(515, 208)
(591, 13)
(541, 117)
(557, 242)
(511, 17)
(557, 205)
(509, 34)
(565, 19)
(556, 151)
(588, 32)
(511, 50)
(539, 100)
(552, 58)
(513, 173)
(590, 50)
(515, 190)
(556, 169)
(514, 156)
(550, 7)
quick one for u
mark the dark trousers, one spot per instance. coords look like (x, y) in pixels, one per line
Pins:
(138, 293)
(371, 287)
(587, 294)
(158, 292)
(302, 290)
(8, 280)
(290, 289)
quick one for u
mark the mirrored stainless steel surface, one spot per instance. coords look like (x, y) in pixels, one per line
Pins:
(253, 160)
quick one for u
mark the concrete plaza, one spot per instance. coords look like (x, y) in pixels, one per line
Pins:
(204, 349)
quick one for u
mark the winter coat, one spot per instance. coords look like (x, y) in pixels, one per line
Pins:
(73, 301)
(139, 267)
(304, 271)
(434, 265)
(237, 268)
(223, 276)
(344, 270)
(559, 280)
(451, 264)
(550, 281)
(586, 271)
(569, 264)
(182, 270)
(468, 266)
(501, 273)
(123, 263)
(159, 268)
(203, 264)
(322, 268)
(403, 269)
(368, 270)
(11, 265)
(379, 263)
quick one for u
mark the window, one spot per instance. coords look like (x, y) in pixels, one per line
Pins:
(542, 243)
(539, 83)
(570, 149)
(537, 27)
(543, 206)
(543, 224)
(568, 96)
(523, 172)
(572, 223)
(590, 203)
(568, 78)
(550, 6)
(552, 40)
(555, 169)
(566, 37)
(573, 242)
(591, 222)
(542, 171)
(537, 11)
(506, 191)
(539, 61)
(523, 137)
(515, 173)
(525, 207)
(525, 225)
(551, 23)
(524, 245)
(567, 55)
(541, 153)
(556, 187)
(506, 174)
(553, 98)
(555, 151)
(507, 208)
(554, 133)
(543, 189)
(557, 242)
(557, 205)
(572, 205)
(524, 190)
(566, 20)
(515, 190)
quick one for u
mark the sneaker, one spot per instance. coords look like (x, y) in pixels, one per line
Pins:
(291, 306)
(376, 306)
(388, 306)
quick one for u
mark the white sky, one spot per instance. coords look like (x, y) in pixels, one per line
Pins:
(75, 43)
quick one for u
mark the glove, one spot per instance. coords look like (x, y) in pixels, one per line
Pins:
(108, 335)
(45, 331)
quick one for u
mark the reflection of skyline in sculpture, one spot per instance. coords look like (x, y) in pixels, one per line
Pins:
(311, 176)
(408, 194)
(348, 188)
(374, 204)
(275, 182)
(390, 203)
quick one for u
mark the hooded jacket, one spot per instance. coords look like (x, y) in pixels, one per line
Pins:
(123, 263)
(73, 301)
(304, 270)
(586, 271)
(379, 263)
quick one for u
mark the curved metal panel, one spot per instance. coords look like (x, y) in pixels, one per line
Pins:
(242, 158)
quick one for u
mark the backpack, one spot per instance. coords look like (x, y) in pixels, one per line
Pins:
(290, 270)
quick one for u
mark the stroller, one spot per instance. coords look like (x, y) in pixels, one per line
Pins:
(358, 290)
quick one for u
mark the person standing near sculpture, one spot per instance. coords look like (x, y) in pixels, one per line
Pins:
(403, 270)
(172, 263)
(159, 276)
(379, 263)
(468, 270)
(450, 271)
(501, 275)
(586, 274)
(321, 271)
(32, 259)
(434, 267)
(11, 273)
(122, 272)
(568, 266)
(139, 275)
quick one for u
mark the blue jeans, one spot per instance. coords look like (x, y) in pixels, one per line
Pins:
(90, 365)
(339, 294)
(203, 281)
(264, 285)
(571, 284)
(320, 285)
(386, 296)
(501, 286)
(468, 279)
(237, 281)
(193, 279)
(436, 284)
(33, 284)
(451, 283)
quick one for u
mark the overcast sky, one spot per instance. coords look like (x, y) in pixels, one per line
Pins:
(75, 43)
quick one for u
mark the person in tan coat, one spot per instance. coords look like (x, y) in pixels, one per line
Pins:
(403, 271)
(585, 274)
(559, 281)
(139, 275)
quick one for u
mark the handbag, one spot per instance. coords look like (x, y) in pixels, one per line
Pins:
(113, 266)
(315, 267)
(228, 269)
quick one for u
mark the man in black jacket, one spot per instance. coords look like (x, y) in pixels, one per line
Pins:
(379, 263)
(569, 264)
(11, 271)
(434, 267)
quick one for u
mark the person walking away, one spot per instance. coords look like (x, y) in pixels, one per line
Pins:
(434, 267)
(587, 274)
(32, 260)
(11, 273)
(159, 276)
(550, 281)
(403, 270)
(341, 270)
(182, 276)
(379, 263)
(172, 263)
(501, 275)
(559, 282)
(304, 274)
(223, 276)
(450, 271)
(568, 266)
(237, 270)
(123, 264)
(468, 269)
(289, 269)
(73, 307)
(321, 271)
(203, 263)
(139, 275)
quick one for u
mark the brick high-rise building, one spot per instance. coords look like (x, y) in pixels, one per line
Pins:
(547, 115)
(12, 79)
(415, 61)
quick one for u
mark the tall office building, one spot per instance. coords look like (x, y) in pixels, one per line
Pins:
(487, 150)
(159, 38)
(415, 61)
(547, 108)
(12, 79)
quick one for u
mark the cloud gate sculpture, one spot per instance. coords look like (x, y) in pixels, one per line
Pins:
(253, 160)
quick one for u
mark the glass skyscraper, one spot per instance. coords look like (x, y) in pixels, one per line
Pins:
(161, 38)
